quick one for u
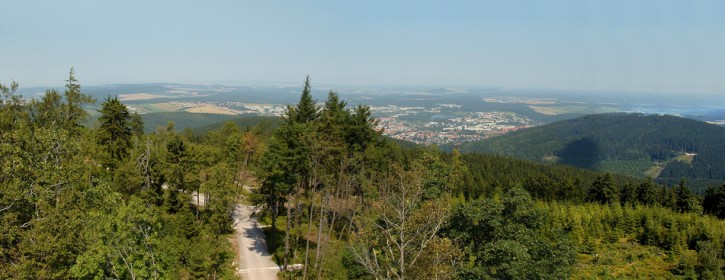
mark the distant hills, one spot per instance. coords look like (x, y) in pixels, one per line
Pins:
(660, 146)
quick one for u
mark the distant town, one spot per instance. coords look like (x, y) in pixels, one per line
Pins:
(433, 116)
(432, 126)
(441, 124)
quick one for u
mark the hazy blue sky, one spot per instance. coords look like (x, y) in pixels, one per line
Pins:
(659, 45)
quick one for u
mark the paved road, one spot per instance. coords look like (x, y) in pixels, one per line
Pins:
(256, 262)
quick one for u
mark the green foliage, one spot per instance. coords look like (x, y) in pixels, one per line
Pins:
(506, 239)
(640, 241)
(548, 182)
(74, 114)
(220, 195)
(115, 203)
(622, 143)
(436, 179)
(124, 243)
(390, 238)
(318, 168)
(136, 123)
(128, 179)
(709, 264)
(197, 121)
(64, 215)
(603, 190)
(44, 186)
(714, 202)
(647, 193)
(361, 133)
(115, 131)
(306, 109)
(246, 122)
(686, 200)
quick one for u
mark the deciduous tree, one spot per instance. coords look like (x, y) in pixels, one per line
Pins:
(390, 239)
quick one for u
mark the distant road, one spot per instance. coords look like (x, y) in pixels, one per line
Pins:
(255, 261)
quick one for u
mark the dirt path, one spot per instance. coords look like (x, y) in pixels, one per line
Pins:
(255, 261)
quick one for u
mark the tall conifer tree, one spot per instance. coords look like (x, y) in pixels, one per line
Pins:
(115, 131)
(306, 110)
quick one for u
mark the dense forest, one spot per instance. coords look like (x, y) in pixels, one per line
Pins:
(108, 202)
(111, 201)
(348, 204)
(663, 147)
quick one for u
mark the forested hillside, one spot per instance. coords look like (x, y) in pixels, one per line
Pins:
(663, 147)
(339, 198)
(244, 122)
(182, 120)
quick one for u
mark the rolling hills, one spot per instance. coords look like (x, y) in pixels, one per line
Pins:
(660, 146)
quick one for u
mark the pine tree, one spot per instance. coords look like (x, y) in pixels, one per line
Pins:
(306, 109)
(686, 201)
(714, 202)
(458, 174)
(176, 169)
(73, 111)
(646, 192)
(286, 170)
(333, 117)
(137, 124)
(604, 190)
(115, 131)
(361, 131)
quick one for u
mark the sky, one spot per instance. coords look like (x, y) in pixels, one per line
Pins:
(620, 45)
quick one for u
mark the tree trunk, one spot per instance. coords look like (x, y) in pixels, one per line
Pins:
(320, 226)
(402, 236)
(331, 226)
(275, 209)
(198, 197)
(323, 213)
(286, 235)
(297, 219)
(307, 245)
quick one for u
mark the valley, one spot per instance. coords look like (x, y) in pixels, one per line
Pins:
(328, 183)
(472, 119)
(423, 115)
(313, 140)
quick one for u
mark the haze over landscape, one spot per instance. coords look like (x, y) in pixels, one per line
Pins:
(642, 46)
(362, 140)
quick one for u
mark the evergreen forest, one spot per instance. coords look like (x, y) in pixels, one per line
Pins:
(664, 147)
(112, 200)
